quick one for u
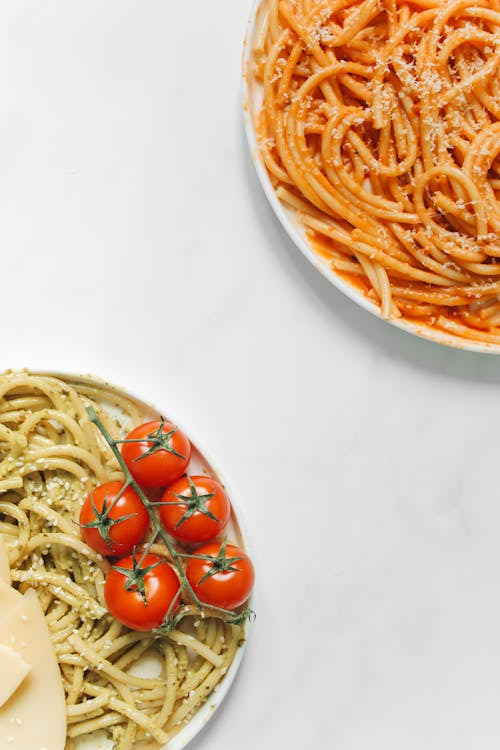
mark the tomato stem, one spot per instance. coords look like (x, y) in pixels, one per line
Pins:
(159, 441)
(228, 615)
(194, 503)
(103, 521)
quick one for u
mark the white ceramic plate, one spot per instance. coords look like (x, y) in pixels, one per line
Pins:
(200, 464)
(252, 97)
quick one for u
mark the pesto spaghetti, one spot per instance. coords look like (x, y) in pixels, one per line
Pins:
(51, 457)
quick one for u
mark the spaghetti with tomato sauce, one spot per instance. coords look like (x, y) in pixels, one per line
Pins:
(379, 126)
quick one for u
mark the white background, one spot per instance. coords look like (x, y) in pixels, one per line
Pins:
(135, 243)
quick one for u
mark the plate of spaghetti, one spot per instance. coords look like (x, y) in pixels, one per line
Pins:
(121, 624)
(374, 127)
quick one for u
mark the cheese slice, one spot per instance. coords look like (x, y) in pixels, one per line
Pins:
(35, 716)
(9, 597)
(4, 562)
(13, 669)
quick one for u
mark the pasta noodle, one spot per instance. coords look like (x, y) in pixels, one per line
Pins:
(380, 126)
(51, 457)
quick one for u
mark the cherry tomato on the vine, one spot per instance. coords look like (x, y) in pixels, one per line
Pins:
(161, 591)
(159, 454)
(198, 509)
(113, 526)
(226, 580)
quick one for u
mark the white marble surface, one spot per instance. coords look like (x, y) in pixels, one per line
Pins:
(136, 244)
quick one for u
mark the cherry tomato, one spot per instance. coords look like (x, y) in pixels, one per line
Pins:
(113, 528)
(225, 582)
(161, 588)
(203, 514)
(160, 457)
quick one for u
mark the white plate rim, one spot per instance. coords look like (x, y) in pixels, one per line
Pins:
(292, 228)
(211, 706)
